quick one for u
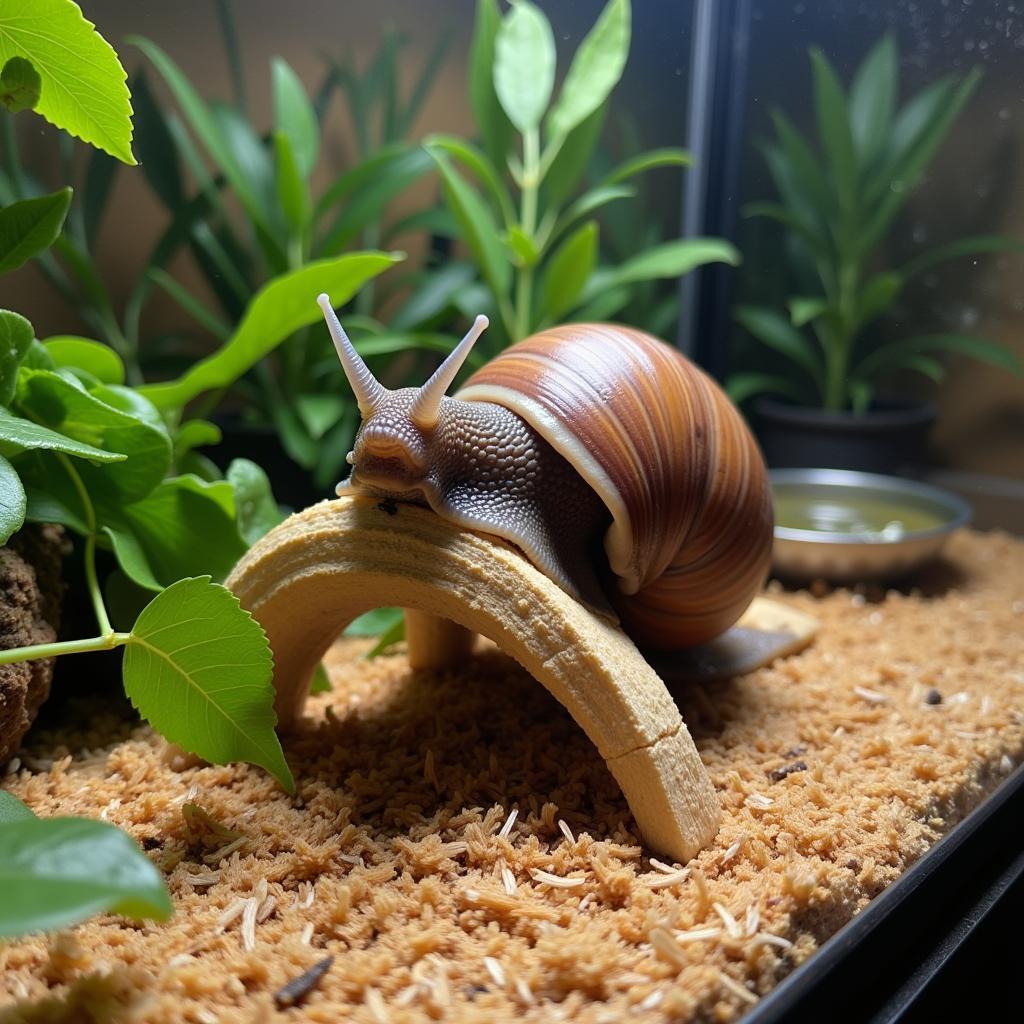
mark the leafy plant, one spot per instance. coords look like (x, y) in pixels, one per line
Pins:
(57, 871)
(533, 238)
(836, 203)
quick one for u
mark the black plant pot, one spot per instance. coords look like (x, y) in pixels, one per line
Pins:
(889, 438)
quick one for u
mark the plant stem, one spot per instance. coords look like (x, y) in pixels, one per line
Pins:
(107, 642)
(528, 224)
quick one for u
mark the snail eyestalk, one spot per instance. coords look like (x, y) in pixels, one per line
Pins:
(367, 389)
(425, 408)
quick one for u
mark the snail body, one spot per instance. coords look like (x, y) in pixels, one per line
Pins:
(617, 467)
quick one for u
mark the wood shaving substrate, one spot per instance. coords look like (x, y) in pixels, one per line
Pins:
(459, 848)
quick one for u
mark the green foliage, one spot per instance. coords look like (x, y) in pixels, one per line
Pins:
(835, 209)
(217, 705)
(56, 871)
(20, 85)
(30, 227)
(79, 84)
(523, 217)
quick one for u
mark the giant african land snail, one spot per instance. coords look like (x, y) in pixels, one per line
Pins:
(581, 432)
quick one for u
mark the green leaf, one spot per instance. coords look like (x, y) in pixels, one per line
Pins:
(778, 333)
(394, 634)
(834, 128)
(742, 386)
(202, 314)
(282, 306)
(319, 412)
(12, 809)
(87, 418)
(12, 506)
(199, 668)
(83, 354)
(16, 336)
(256, 511)
(20, 85)
(567, 272)
(292, 192)
(321, 681)
(800, 177)
(521, 247)
(495, 128)
(55, 872)
(474, 160)
(590, 201)
(294, 116)
(524, 65)
(31, 226)
(923, 364)
(877, 295)
(479, 229)
(186, 526)
(195, 434)
(374, 622)
(595, 70)
(563, 176)
(873, 97)
(861, 393)
(963, 247)
(99, 179)
(804, 310)
(667, 157)
(83, 83)
(24, 435)
(51, 497)
(158, 154)
(895, 354)
(433, 296)
(673, 259)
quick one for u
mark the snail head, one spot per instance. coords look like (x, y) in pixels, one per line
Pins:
(392, 452)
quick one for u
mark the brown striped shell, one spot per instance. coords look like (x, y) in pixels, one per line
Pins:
(670, 457)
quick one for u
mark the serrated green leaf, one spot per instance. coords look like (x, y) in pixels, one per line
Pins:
(16, 338)
(85, 417)
(83, 84)
(68, 350)
(20, 85)
(19, 434)
(12, 809)
(31, 226)
(12, 502)
(595, 70)
(567, 272)
(55, 872)
(199, 668)
(294, 116)
(493, 123)
(524, 65)
(284, 305)
(186, 526)
(255, 508)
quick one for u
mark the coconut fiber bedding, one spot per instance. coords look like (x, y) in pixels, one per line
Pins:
(458, 849)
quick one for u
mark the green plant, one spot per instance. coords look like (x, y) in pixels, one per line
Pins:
(57, 871)
(535, 245)
(835, 209)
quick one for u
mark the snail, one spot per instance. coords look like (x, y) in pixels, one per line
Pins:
(615, 465)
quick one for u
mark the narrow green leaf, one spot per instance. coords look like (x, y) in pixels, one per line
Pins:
(524, 65)
(895, 353)
(873, 98)
(834, 128)
(12, 507)
(84, 354)
(294, 116)
(279, 308)
(604, 303)
(741, 386)
(321, 681)
(962, 247)
(521, 247)
(55, 872)
(16, 337)
(861, 394)
(923, 364)
(256, 509)
(564, 174)
(158, 155)
(567, 272)
(595, 70)
(803, 310)
(202, 314)
(877, 296)
(292, 192)
(83, 84)
(199, 668)
(433, 296)
(375, 622)
(587, 203)
(31, 226)
(474, 160)
(12, 809)
(778, 333)
(667, 157)
(800, 177)
(493, 123)
(20, 85)
(393, 634)
(673, 259)
(479, 229)
(99, 179)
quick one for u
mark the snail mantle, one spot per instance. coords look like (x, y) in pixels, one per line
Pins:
(310, 576)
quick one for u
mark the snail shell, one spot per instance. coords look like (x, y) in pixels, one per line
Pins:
(581, 431)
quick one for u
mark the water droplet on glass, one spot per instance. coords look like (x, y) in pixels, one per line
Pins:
(920, 233)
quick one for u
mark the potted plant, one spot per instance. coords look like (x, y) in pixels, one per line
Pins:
(836, 202)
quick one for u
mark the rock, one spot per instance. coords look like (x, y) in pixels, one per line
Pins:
(30, 594)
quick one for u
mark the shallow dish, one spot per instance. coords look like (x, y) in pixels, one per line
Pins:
(850, 527)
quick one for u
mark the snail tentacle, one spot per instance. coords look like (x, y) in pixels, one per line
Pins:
(366, 388)
(427, 403)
